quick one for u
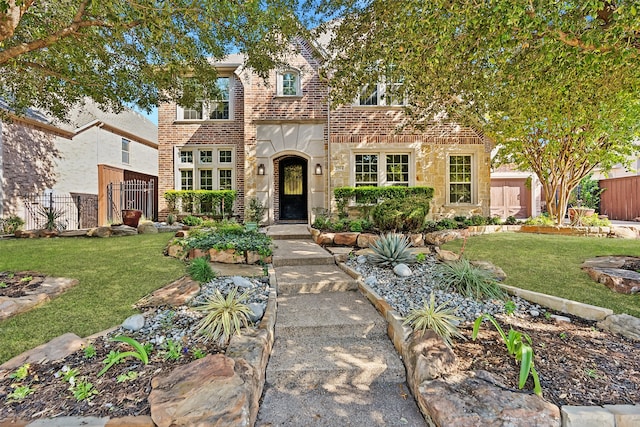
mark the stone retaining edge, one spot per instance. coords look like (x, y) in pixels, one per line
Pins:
(585, 311)
(571, 416)
(264, 338)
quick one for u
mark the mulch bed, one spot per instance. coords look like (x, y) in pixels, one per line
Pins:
(15, 285)
(577, 363)
(52, 396)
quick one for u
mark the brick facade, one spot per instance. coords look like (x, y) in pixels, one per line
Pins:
(266, 128)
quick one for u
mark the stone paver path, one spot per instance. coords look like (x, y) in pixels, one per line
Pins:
(332, 363)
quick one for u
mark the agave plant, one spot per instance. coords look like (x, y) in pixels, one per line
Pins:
(439, 319)
(225, 316)
(391, 249)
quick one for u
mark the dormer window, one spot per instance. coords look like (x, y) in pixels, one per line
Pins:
(217, 108)
(288, 83)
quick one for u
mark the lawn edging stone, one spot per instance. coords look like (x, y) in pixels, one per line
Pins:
(566, 416)
(250, 354)
(50, 288)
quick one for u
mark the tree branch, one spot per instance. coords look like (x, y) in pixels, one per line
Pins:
(76, 25)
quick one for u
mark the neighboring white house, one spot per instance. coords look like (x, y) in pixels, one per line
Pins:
(39, 156)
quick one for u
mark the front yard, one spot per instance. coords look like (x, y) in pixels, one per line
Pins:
(551, 265)
(113, 273)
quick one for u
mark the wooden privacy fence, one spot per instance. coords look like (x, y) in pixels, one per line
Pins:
(621, 198)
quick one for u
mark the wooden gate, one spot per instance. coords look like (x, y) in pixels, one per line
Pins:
(510, 197)
(621, 198)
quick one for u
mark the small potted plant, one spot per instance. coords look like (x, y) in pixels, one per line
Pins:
(254, 213)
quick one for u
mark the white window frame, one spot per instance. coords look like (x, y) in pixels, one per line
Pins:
(206, 105)
(382, 166)
(472, 183)
(126, 151)
(381, 96)
(280, 83)
(197, 165)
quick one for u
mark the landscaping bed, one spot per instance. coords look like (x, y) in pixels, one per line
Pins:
(578, 364)
(41, 390)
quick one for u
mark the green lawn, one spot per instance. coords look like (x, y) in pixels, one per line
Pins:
(114, 273)
(551, 265)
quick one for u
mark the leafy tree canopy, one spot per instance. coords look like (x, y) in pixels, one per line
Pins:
(54, 53)
(555, 84)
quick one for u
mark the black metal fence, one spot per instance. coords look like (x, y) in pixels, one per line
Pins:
(71, 211)
(133, 194)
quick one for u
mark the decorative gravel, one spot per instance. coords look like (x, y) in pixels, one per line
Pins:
(180, 323)
(406, 293)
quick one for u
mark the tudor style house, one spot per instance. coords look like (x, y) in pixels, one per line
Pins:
(282, 143)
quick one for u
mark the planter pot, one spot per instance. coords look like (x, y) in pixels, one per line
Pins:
(131, 217)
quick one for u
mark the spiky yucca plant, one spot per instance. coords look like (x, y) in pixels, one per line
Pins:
(225, 316)
(391, 249)
(440, 320)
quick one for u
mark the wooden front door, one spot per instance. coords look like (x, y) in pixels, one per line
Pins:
(293, 189)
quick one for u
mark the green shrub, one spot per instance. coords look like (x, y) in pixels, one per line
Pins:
(447, 224)
(200, 270)
(469, 280)
(230, 237)
(367, 196)
(391, 250)
(11, 224)
(255, 210)
(201, 201)
(192, 221)
(543, 219)
(440, 320)
(355, 226)
(511, 220)
(224, 317)
(494, 220)
(171, 218)
(408, 214)
(594, 221)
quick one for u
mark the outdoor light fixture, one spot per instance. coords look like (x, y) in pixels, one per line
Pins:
(261, 169)
(318, 170)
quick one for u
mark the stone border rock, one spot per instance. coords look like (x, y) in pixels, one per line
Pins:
(437, 238)
(50, 288)
(251, 350)
(570, 416)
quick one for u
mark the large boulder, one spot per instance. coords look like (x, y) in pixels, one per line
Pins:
(437, 238)
(123, 230)
(228, 256)
(366, 240)
(346, 239)
(175, 294)
(147, 227)
(209, 391)
(429, 358)
(470, 399)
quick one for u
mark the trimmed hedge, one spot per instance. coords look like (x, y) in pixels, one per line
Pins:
(402, 214)
(215, 202)
(365, 196)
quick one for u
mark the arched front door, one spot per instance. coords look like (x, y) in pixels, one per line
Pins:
(293, 188)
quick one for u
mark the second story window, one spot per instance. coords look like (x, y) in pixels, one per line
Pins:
(126, 145)
(217, 107)
(381, 94)
(288, 83)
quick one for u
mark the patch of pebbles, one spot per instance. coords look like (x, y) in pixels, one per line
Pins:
(406, 293)
(181, 323)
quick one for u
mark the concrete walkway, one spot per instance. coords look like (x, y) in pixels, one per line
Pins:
(332, 363)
